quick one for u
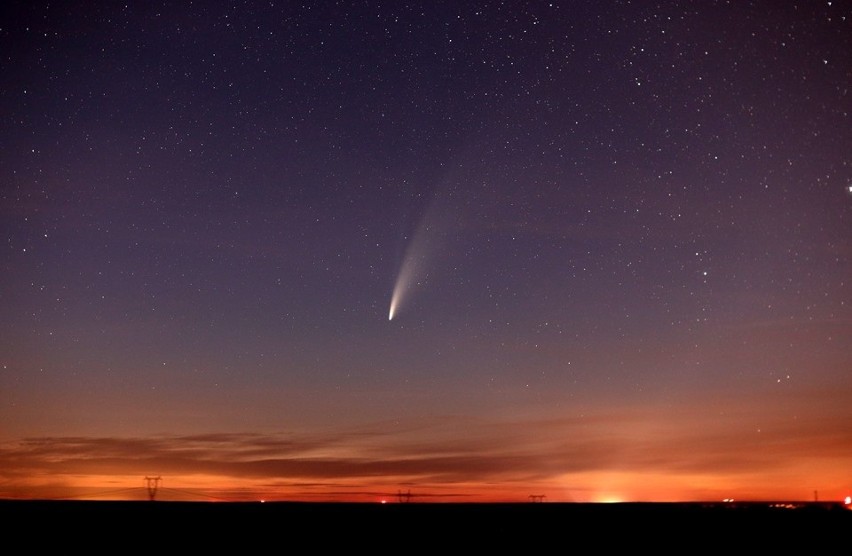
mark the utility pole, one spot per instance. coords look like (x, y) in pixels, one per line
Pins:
(153, 485)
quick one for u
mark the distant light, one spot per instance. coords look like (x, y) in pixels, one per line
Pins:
(262, 501)
(384, 501)
(728, 500)
(848, 500)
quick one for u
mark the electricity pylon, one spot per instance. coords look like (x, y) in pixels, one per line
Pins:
(153, 484)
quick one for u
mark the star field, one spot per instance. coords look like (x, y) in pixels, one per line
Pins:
(628, 228)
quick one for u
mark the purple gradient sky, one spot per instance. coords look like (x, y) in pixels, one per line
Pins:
(626, 228)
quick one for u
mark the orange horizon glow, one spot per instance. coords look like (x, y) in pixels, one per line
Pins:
(633, 455)
(180, 489)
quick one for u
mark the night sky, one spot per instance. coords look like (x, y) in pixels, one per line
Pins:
(615, 239)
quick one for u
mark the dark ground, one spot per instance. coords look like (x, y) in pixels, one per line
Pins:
(166, 527)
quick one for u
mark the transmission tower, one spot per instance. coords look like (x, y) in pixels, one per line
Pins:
(537, 498)
(153, 484)
(404, 496)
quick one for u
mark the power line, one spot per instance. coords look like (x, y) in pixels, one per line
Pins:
(200, 494)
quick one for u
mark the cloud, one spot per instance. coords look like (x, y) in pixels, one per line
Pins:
(454, 453)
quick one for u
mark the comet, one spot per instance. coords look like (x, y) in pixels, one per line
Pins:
(405, 279)
(419, 254)
(413, 267)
